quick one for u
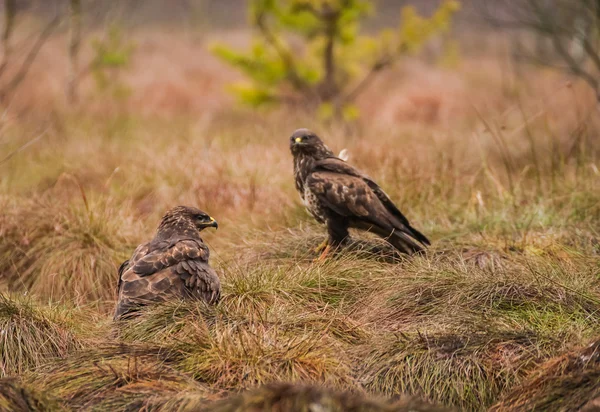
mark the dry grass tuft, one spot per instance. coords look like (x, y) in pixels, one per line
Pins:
(30, 335)
(465, 371)
(115, 377)
(168, 323)
(65, 252)
(241, 356)
(16, 397)
(464, 335)
(438, 288)
(569, 382)
(227, 350)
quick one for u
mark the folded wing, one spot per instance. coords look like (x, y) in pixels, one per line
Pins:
(158, 270)
(354, 195)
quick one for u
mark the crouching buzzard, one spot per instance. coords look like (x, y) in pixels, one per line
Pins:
(342, 197)
(173, 265)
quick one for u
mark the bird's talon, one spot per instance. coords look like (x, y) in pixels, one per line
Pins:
(324, 254)
(321, 246)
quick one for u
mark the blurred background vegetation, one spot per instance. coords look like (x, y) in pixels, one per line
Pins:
(479, 118)
(312, 55)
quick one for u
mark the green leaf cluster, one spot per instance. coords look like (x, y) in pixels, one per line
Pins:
(111, 54)
(312, 52)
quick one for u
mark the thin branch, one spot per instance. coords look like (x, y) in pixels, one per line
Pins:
(575, 68)
(284, 55)
(10, 10)
(531, 58)
(523, 17)
(74, 45)
(30, 58)
(368, 79)
(23, 147)
(330, 18)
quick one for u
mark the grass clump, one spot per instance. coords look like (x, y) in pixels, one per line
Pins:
(465, 332)
(568, 382)
(168, 323)
(17, 397)
(241, 356)
(467, 371)
(70, 253)
(226, 350)
(524, 290)
(30, 335)
(114, 377)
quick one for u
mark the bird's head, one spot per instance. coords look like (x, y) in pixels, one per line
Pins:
(186, 217)
(303, 141)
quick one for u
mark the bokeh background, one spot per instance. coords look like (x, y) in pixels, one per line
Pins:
(479, 119)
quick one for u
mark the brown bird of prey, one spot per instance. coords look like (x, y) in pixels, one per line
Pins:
(342, 197)
(173, 265)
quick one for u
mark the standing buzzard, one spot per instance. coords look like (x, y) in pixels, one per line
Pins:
(172, 265)
(342, 197)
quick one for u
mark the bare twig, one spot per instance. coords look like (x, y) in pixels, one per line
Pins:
(10, 10)
(30, 58)
(285, 56)
(23, 147)
(551, 20)
(75, 179)
(366, 81)
(74, 45)
(575, 68)
(330, 18)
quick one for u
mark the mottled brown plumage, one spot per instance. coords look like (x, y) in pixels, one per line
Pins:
(342, 197)
(173, 265)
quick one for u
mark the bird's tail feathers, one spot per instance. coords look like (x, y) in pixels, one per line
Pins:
(401, 239)
(419, 236)
(408, 230)
(405, 243)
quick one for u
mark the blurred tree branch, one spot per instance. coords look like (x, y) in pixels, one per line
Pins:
(10, 9)
(312, 54)
(74, 46)
(24, 146)
(566, 31)
(284, 54)
(366, 81)
(8, 87)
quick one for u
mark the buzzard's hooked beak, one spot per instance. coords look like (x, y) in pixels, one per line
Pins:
(212, 223)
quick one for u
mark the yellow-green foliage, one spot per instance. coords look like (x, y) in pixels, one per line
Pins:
(334, 55)
(112, 54)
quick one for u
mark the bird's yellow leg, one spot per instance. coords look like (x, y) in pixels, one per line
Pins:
(321, 246)
(324, 254)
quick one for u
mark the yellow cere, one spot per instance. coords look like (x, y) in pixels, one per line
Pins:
(298, 139)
